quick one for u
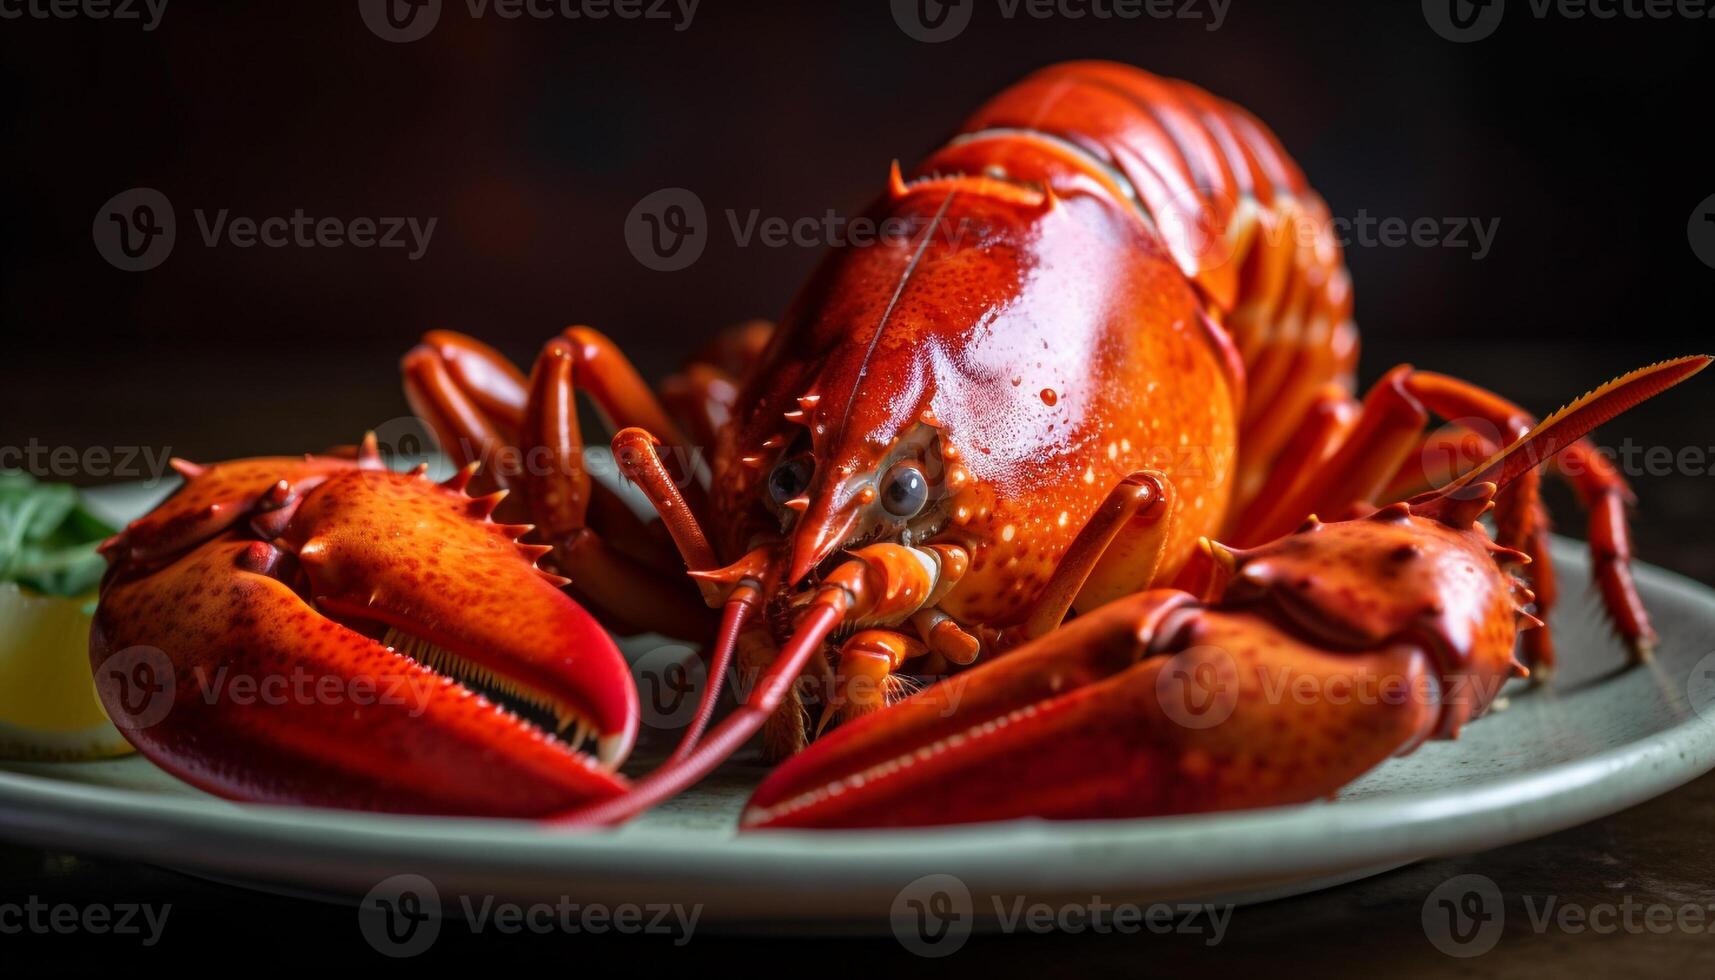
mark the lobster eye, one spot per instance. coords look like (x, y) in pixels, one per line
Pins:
(790, 478)
(904, 491)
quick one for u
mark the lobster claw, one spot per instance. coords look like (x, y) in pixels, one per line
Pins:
(1150, 705)
(355, 643)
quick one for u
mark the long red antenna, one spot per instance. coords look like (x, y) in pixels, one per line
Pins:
(1560, 430)
(738, 609)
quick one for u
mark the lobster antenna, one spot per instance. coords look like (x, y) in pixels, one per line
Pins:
(1560, 430)
(738, 609)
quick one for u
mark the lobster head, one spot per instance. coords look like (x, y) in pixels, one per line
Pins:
(872, 415)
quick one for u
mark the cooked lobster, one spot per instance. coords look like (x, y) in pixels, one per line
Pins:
(1119, 328)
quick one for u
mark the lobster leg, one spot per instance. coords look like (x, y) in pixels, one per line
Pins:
(583, 360)
(880, 584)
(1323, 429)
(559, 490)
(1118, 552)
(482, 410)
(701, 396)
(703, 393)
(471, 397)
(735, 350)
(1385, 432)
(475, 401)
(635, 450)
(868, 674)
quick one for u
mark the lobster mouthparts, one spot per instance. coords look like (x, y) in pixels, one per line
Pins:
(348, 636)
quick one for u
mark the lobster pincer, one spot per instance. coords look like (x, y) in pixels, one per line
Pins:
(333, 633)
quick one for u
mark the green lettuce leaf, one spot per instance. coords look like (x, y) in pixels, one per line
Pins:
(47, 537)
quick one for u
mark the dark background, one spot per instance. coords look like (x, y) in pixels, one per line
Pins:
(531, 140)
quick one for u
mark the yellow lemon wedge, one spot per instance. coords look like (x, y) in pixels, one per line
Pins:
(48, 706)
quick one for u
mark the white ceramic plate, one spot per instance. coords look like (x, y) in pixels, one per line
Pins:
(1598, 740)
